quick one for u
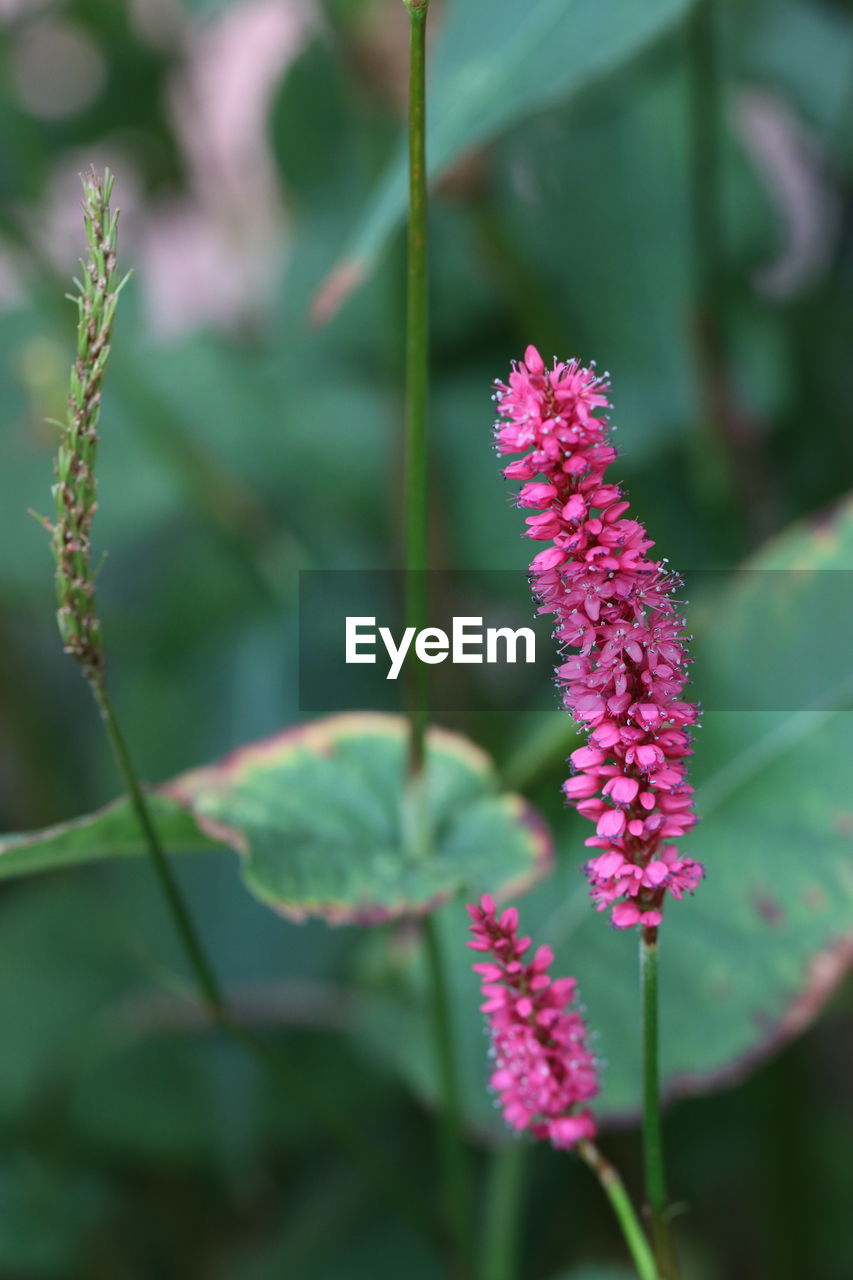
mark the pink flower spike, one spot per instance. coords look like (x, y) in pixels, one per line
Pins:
(619, 610)
(544, 1071)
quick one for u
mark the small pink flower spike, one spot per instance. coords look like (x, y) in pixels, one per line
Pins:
(543, 1068)
(617, 608)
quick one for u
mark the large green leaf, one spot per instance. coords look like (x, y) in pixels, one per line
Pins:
(750, 960)
(319, 815)
(496, 63)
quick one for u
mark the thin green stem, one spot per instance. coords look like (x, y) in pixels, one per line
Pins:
(454, 1164)
(363, 1153)
(652, 1134)
(454, 1167)
(206, 980)
(417, 361)
(614, 1189)
(503, 1205)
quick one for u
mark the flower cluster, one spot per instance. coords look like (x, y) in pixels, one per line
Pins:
(543, 1068)
(618, 608)
(75, 491)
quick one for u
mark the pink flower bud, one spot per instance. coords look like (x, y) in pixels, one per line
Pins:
(551, 558)
(520, 470)
(536, 495)
(611, 823)
(622, 790)
(575, 508)
(581, 786)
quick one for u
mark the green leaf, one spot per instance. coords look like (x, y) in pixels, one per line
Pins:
(498, 62)
(109, 833)
(318, 815)
(750, 960)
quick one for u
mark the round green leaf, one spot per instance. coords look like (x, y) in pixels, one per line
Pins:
(319, 814)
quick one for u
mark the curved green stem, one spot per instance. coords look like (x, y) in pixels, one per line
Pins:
(652, 1134)
(614, 1189)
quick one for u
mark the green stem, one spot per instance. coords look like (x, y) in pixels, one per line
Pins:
(652, 1135)
(363, 1153)
(614, 1189)
(205, 978)
(454, 1165)
(417, 361)
(500, 1237)
(416, 534)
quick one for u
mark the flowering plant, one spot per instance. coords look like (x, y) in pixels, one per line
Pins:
(240, 464)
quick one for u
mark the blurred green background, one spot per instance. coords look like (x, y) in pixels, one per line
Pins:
(664, 188)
